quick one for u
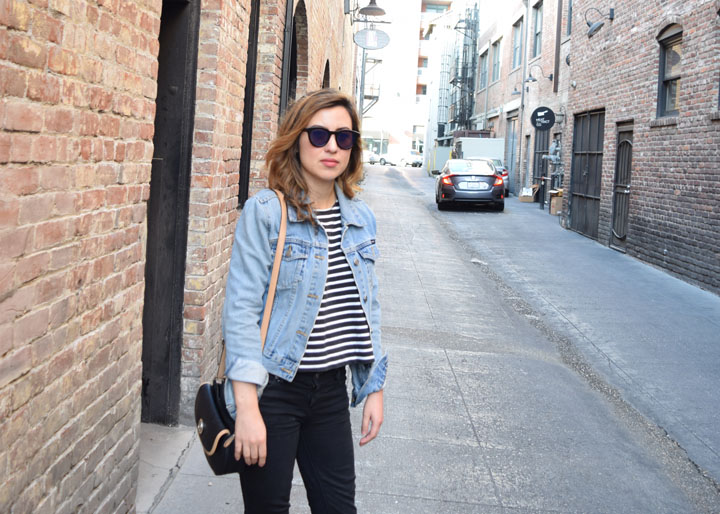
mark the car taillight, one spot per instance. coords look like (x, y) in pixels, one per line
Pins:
(447, 181)
(498, 181)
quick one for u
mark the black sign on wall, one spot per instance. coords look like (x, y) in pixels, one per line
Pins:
(542, 118)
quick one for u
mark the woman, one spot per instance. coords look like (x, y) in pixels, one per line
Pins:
(290, 397)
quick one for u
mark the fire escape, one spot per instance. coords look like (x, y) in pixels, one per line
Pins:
(462, 72)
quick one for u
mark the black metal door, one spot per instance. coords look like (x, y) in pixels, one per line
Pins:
(621, 189)
(511, 163)
(540, 165)
(168, 208)
(586, 172)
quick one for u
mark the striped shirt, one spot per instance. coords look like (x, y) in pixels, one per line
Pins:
(341, 333)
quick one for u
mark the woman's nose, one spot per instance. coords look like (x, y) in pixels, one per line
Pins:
(331, 145)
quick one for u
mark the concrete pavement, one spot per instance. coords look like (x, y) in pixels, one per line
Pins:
(531, 369)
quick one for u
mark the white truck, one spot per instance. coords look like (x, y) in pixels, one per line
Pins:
(491, 147)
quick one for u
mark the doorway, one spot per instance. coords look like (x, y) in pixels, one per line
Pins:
(586, 173)
(167, 212)
(621, 187)
(540, 165)
(249, 104)
(511, 163)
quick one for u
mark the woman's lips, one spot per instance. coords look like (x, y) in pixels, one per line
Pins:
(330, 163)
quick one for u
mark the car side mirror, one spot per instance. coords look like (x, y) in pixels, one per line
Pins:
(435, 172)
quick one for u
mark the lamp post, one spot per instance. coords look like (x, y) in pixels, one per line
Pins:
(368, 38)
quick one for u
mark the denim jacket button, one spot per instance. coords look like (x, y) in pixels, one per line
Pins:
(365, 298)
(356, 262)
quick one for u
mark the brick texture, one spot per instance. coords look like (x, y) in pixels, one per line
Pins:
(79, 80)
(76, 114)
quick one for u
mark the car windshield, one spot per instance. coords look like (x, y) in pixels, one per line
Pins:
(465, 166)
(497, 162)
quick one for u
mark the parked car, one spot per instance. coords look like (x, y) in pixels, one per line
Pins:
(370, 157)
(501, 169)
(471, 181)
(386, 159)
(414, 159)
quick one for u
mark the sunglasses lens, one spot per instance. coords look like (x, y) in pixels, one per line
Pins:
(345, 139)
(318, 136)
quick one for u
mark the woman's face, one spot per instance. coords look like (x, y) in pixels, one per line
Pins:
(321, 166)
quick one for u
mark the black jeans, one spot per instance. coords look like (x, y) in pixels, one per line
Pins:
(307, 419)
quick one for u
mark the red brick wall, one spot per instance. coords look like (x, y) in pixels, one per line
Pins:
(673, 221)
(222, 57)
(78, 83)
(78, 87)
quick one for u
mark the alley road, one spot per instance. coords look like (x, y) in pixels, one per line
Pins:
(503, 394)
(490, 404)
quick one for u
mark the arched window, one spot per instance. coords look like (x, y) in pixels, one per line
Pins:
(670, 40)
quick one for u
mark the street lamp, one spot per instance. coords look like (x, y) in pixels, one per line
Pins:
(533, 79)
(368, 38)
(594, 28)
(372, 10)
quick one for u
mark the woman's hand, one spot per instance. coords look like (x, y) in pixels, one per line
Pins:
(372, 417)
(250, 434)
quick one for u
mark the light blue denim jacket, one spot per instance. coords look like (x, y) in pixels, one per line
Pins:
(299, 292)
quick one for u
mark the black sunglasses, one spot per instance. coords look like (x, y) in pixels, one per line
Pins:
(319, 137)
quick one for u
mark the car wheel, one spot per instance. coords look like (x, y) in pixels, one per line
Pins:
(382, 162)
(500, 206)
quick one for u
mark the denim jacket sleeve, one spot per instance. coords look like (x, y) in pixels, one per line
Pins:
(250, 265)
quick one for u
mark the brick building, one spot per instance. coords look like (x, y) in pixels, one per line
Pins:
(522, 66)
(637, 124)
(645, 127)
(130, 133)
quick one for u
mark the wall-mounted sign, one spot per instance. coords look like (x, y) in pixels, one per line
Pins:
(371, 39)
(542, 118)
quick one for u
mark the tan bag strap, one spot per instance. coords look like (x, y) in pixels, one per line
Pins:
(273, 281)
(275, 269)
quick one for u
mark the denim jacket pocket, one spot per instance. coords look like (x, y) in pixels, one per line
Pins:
(370, 252)
(292, 267)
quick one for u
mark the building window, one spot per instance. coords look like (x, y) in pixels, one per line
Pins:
(434, 8)
(422, 62)
(670, 70)
(496, 61)
(517, 43)
(483, 69)
(568, 30)
(537, 30)
(420, 89)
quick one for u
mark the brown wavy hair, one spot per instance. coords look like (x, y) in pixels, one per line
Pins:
(283, 158)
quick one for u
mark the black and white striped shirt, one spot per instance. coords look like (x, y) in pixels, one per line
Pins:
(341, 333)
